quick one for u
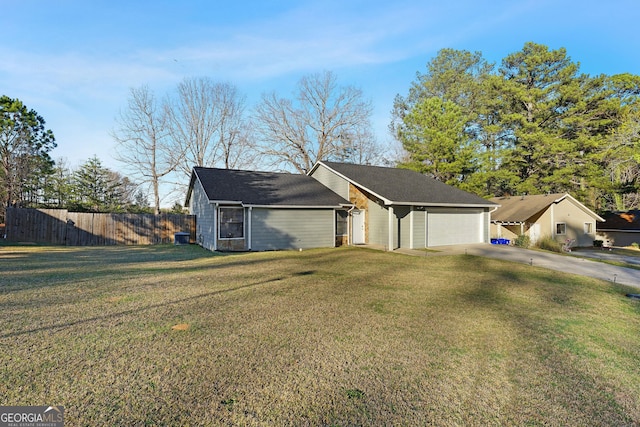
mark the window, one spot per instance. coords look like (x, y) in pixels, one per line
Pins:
(231, 223)
(588, 227)
(561, 228)
(342, 228)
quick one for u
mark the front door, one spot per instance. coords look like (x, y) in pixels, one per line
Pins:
(357, 227)
(534, 233)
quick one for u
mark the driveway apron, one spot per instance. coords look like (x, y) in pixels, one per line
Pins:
(559, 262)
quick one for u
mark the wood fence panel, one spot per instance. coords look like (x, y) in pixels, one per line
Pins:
(58, 226)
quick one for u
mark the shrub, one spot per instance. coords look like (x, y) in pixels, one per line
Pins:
(635, 245)
(597, 243)
(522, 241)
(549, 244)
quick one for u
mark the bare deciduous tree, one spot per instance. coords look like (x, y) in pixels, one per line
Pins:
(143, 143)
(208, 126)
(324, 122)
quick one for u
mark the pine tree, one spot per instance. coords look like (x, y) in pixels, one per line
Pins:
(94, 190)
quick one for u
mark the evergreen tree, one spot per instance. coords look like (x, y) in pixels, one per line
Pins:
(24, 147)
(60, 189)
(95, 189)
(433, 134)
(540, 86)
(536, 125)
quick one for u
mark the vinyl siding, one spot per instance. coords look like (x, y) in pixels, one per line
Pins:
(273, 229)
(619, 238)
(574, 218)
(205, 226)
(403, 215)
(378, 224)
(419, 230)
(332, 181)
(486, 225)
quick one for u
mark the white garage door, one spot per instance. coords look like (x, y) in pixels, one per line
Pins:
(455, 227)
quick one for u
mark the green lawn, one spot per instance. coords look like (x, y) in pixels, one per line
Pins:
(321, 337)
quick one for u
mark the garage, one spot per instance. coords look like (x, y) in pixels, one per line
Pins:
(455, 227)
(407, 209)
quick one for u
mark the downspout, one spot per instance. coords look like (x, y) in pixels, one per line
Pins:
(411, 227)
(335, 228)
(249, 228)
(350, 226)
(391, 228)
(426, 228)
(215, 227)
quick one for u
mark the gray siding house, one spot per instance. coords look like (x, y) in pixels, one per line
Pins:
(335, 204)
(399, 208)
(246, 210)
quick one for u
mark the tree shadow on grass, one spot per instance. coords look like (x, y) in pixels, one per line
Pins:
(34, 270)
(538, 315)
(55, 327)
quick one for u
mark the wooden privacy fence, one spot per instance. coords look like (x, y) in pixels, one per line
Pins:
(60, 227)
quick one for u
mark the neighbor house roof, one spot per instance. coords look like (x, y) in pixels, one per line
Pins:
(251, 188)
(522, 208)
(404, 187)
(627, 221)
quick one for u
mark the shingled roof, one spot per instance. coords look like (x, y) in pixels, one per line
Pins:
(629, 221)
(263, 188)
(521, 208)
(405, 187)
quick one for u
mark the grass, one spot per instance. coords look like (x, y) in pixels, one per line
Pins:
(168, 335)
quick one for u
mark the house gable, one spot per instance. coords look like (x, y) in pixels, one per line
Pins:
(404, 208)
(399, 186)
(519, 209)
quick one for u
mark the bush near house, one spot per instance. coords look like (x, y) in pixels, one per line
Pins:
(522, 241)
(549, 244)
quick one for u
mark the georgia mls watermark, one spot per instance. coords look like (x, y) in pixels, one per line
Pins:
(31, 416)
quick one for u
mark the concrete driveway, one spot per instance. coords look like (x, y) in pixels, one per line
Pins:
(566, 263)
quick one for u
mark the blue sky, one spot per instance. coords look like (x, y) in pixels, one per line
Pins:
(75, 61)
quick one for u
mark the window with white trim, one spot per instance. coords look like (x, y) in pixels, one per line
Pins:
(231, 223)
(588, 228)
(561, 228)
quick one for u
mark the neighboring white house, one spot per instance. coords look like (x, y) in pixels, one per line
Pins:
(559, 216)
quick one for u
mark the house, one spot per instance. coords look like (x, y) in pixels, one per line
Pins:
(559, 216)
(245, 210)
(399, 208)
(334, 204)
(620, 228)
